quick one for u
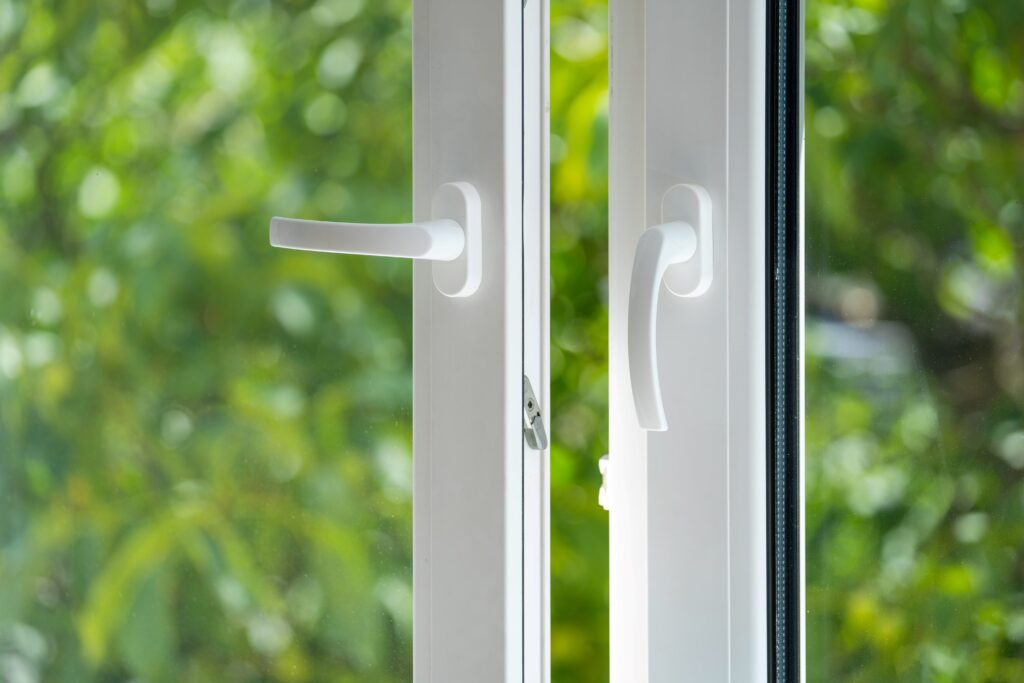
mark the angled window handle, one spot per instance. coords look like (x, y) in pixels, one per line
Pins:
(680, 252)
(451, 238)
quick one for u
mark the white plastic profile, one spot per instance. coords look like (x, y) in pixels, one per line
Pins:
(665, 252)
(451, 238)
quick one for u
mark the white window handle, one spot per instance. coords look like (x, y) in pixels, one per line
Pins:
(451, 238)
(666, 252)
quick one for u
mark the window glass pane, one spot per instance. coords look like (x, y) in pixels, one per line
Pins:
(915, 358)
(205, 458)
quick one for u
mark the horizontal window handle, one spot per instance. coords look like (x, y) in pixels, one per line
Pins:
(435, 240)
(451, 238)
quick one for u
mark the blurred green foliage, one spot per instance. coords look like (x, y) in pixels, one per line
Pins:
(204, 446)
(915, 368)
(579, 338)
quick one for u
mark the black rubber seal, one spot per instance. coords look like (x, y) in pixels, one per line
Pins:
(785, 95)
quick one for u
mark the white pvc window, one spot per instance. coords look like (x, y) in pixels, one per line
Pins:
(687, 483)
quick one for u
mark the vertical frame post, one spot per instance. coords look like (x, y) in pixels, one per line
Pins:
(689, 526)
(537, 333)
(627, 443)
(480, 496)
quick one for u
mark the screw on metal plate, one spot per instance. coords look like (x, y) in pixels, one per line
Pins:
(533, 420)
(602, 493)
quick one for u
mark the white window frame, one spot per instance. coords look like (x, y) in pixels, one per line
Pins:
(698, 540)
(480, 503)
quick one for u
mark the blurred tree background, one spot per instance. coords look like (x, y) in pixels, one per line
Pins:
(915, 368)
(205, 446)
(204, 443)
